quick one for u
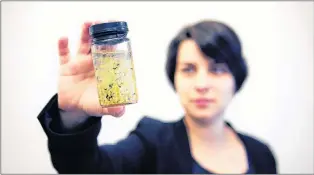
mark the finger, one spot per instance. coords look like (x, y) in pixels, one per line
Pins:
(63, 49)
(83, 64)
(116, 111)
(84, 45)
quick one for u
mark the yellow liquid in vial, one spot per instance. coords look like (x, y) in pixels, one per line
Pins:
(116, 83)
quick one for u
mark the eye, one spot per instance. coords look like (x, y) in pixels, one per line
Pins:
(188, 69)
(219, 68)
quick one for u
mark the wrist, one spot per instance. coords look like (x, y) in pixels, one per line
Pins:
(72, 119)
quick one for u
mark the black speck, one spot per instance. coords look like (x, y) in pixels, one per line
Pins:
(110, 97)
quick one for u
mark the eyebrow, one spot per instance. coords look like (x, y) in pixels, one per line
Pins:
(186, 64)
(211, 62)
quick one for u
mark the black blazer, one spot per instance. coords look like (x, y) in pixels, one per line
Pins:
(152, 147)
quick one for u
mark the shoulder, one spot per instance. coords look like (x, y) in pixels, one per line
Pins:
(260, 151)
(153, 130)
(252, 142)
(148, 123)
(255, 142)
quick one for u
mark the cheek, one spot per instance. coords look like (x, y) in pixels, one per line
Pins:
(183, 87)
(182, 84)
(226, 88)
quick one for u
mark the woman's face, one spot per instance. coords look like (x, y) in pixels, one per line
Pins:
(204, 87)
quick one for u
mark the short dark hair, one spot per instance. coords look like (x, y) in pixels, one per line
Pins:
(217, 41)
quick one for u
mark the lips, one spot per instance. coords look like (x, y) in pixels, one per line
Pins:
(203, 102)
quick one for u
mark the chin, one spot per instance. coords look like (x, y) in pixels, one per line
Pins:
(203, 114)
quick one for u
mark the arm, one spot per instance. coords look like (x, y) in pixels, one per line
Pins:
(77, 150)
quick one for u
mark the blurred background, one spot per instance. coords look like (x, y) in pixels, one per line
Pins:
(275, 104)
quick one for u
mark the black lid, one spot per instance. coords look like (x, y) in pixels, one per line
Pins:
(110, 27)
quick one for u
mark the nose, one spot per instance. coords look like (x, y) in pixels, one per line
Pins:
(202, 84)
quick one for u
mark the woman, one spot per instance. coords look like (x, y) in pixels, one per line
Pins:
(206, 68)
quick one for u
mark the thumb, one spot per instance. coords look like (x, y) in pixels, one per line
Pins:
(116, 111)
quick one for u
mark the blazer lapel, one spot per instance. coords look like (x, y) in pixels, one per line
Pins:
(183, 151)
(182, 148)
(250, 149)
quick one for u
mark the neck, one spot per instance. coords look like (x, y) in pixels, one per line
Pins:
(209, 132)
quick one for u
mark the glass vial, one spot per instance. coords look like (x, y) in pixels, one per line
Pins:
(113, 64)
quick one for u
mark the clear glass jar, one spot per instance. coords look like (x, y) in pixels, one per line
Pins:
(113, 64)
